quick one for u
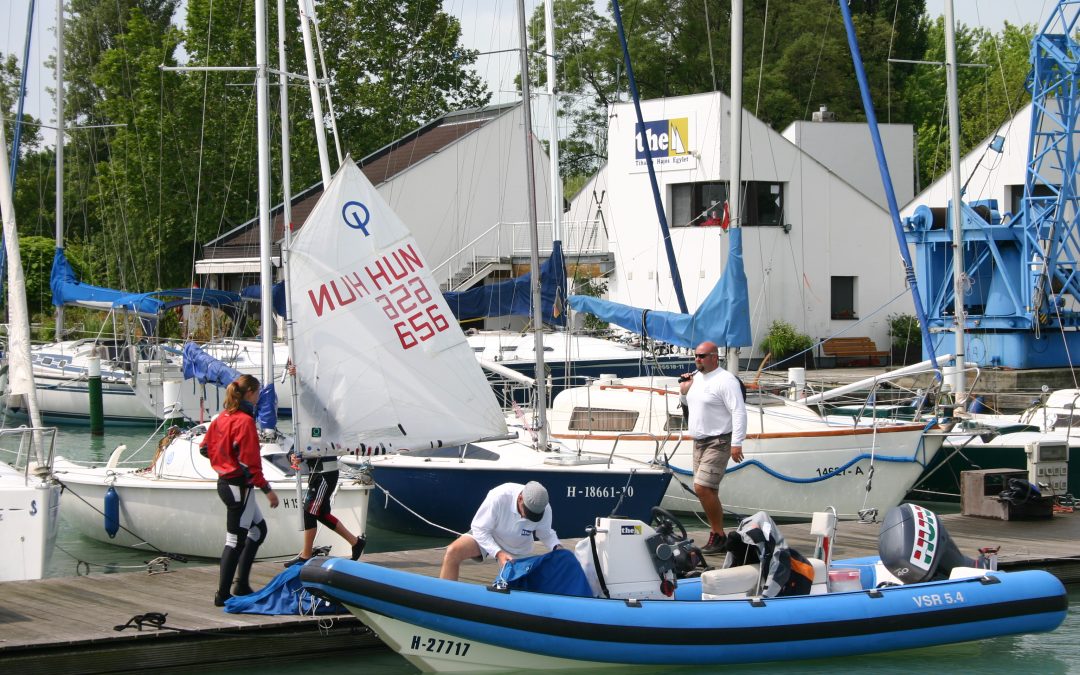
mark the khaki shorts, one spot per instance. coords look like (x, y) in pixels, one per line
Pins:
(711, 455)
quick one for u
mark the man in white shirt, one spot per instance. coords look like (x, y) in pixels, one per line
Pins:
(511, 517)
(717, 422)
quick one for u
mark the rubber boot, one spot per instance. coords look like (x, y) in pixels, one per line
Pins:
(243, 571)
(230, 557)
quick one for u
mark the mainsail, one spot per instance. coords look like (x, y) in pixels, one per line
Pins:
(378, 354)
(723, 317)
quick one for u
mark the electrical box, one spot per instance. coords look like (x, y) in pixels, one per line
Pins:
(1048, 466)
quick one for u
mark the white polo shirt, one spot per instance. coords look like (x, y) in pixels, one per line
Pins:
(497, 525)
(716, 406)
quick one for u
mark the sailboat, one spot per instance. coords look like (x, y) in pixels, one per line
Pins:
(412, 485)
(797, 460)
(29, 497)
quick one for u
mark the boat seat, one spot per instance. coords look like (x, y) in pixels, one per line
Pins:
(741, 581)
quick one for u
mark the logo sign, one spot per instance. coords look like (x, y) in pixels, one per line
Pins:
(316, 432)
(630, 530)
(926, 538)
(356, 216)
(668, 142)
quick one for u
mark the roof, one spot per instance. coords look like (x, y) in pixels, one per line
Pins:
(380, 166)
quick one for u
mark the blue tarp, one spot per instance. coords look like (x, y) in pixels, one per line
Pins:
(723, 317)
(285, 594)
(277, 296)
(557, 572)
(514, 296)
(68, 290)
(205, 368)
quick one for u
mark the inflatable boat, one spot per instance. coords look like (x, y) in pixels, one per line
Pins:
(919, 592)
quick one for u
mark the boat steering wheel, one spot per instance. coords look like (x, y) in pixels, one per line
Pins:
(667, 524)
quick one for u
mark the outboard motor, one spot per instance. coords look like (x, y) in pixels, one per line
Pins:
(915, 547)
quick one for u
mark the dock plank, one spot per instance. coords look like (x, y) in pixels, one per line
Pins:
(66, 624)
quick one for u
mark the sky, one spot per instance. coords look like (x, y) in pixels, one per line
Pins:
(489, 26)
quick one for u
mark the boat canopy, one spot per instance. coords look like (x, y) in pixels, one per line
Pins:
(203, 367)
(723, 317)
(513, 297)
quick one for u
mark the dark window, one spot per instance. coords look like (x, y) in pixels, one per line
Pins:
(694, 204)
(1016, 195)
(843, 298)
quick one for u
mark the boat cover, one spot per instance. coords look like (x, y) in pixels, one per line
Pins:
(723, 317)
(556, 572)
(205, 368)
(513, 297)
(285, 594)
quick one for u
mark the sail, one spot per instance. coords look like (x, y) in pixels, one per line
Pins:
(723, 317)
(514, 296)
(378, 355)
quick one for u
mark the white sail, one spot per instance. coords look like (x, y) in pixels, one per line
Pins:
(379, 356)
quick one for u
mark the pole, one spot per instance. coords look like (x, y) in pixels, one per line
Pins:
(266, 278)
(97, 409)
(731, 354)
(955, 373)
(59, 333)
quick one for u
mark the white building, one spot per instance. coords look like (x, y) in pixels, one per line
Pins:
(819, 253)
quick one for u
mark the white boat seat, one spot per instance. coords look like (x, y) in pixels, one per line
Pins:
(734, 582)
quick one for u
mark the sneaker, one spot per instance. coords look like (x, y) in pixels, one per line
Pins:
(295, 561)
(242, 590)
(220, 601)
(715, 544)
(358, 547)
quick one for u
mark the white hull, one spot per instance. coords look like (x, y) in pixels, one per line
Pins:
(175, 507)
(437, 652)
(796, 462)
(29, 519)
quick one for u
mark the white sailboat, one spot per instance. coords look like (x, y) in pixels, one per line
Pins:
(29, 497)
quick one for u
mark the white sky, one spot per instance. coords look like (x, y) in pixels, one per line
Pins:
(487, 25)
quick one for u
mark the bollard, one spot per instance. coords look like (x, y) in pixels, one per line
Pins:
(97, 409)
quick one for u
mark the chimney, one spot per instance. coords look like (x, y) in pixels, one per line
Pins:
(823, 115)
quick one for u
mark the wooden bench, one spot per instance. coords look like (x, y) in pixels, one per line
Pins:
(854, 350)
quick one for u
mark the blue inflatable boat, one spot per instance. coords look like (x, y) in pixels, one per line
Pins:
(738, 614)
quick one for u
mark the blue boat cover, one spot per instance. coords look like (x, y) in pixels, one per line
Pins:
(285, 594)
(557, 572)
(277, 296)
(723, 317)
(514, 296)
(68, 290)
(202, 367)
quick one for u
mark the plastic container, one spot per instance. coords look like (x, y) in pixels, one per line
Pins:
(844, 579)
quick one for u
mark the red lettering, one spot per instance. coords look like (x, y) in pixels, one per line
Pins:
(403, 299)
(420, 290)
(357, 283)
(408, 340)
(343, 301)
(387, 307)
(437, 318)
(423, 328)
(381, 274)
(323, 299)
(412, 257)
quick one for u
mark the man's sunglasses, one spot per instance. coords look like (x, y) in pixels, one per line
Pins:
(704, 356)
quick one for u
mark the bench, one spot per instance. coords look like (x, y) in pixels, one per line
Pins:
(855, 350)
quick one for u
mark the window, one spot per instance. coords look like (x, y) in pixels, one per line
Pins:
(1016, 195)
(843, 298)
(603, 419)
(694, 203)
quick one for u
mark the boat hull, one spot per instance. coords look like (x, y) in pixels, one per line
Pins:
(446, 625)
(413, 497)
(29, 520)
(184, 515)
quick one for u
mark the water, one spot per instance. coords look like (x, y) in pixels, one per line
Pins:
(1057, 652)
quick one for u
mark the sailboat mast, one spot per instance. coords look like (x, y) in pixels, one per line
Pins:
(553, 118)
(956, 371)
(313, 87)
(534, 238)
(266, 279)
(731, 354)
(286, 191)
(59, 332)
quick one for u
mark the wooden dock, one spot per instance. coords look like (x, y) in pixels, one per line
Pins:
(68, 624)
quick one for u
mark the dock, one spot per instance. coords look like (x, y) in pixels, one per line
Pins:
(70, 624)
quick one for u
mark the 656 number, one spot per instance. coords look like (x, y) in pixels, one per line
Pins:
(415, 320)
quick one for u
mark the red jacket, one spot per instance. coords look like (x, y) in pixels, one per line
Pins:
(232, 445)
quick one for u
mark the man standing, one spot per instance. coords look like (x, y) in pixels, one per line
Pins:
(717, 422)
(511, 517)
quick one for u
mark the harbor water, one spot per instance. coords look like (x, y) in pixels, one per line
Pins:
(1057, 652)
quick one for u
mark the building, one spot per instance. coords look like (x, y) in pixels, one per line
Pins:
(819, 252)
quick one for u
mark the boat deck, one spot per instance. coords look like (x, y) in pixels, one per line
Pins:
(68, 624)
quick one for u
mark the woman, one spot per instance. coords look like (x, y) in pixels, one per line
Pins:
(232, 444)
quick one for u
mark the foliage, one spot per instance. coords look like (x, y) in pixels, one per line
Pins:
(784, 340)
(905, 332)
(585, 285)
